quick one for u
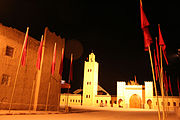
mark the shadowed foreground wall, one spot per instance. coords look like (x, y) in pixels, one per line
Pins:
(14, 39)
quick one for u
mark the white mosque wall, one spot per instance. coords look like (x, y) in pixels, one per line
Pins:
(170, 102)
(103, 100)
(148, 94)
(142, 94)
(73, 99)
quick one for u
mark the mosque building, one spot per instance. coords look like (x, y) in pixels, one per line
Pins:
(128, 95)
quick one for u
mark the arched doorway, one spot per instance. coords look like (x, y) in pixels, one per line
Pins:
(135, 101)
(119, 102)
(149, 102)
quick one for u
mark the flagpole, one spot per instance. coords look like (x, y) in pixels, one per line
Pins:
(161, 79)
(67, 107)
(166, 108)
(67, 102)
(32, 92)
(52, 73)
(159, 116)
(38, 65)
(47, 99)
(15, 80)
(38, 75)
(166, 96)
(60, 72)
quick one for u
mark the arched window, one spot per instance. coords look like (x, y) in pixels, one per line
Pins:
(119, 102)
(168, 103)
(149, 102)
(174, 103)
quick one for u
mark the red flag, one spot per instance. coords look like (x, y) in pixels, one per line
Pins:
(54, 60)
(71, 69)
(144, 21)
(161, 43)
(61, 65)
(157, 52)
(165, 82)
(164, 53)
(38, 63)
(65, 85)
(156, 66)
(147, 38)
(24, 52)
(178, 86)
(144, 27)
(170, 86)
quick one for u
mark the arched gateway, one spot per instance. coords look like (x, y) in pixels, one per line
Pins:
(135, 101)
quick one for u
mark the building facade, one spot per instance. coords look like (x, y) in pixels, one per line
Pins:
(128, 96)
(32, 85)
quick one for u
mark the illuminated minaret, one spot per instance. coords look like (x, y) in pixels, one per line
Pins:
(90, 82)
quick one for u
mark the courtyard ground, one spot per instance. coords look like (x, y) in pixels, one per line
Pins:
(87, 113)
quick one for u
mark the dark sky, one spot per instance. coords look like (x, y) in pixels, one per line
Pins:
(111, 30)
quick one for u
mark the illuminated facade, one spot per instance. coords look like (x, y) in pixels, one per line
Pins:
(32, 85)
(128, 96)
(90, 83)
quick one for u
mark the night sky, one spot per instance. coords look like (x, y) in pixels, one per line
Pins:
(111, 30)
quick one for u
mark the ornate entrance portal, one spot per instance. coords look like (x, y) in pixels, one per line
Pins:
(135, 101)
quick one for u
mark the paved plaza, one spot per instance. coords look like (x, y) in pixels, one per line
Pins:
(89, 113)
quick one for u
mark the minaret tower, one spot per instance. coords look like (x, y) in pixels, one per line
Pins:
(90, 83)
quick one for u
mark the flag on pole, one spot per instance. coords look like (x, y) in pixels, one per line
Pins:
(161, 43)
(38, 63)
(61, 64)
(144, 27)
(178, 86)
(157, 52)
(144, 21)
(170, 86)
(147, 38)
(54, 60)
(156, 66)
(23, 58)
(165, 82)
(71, 68)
